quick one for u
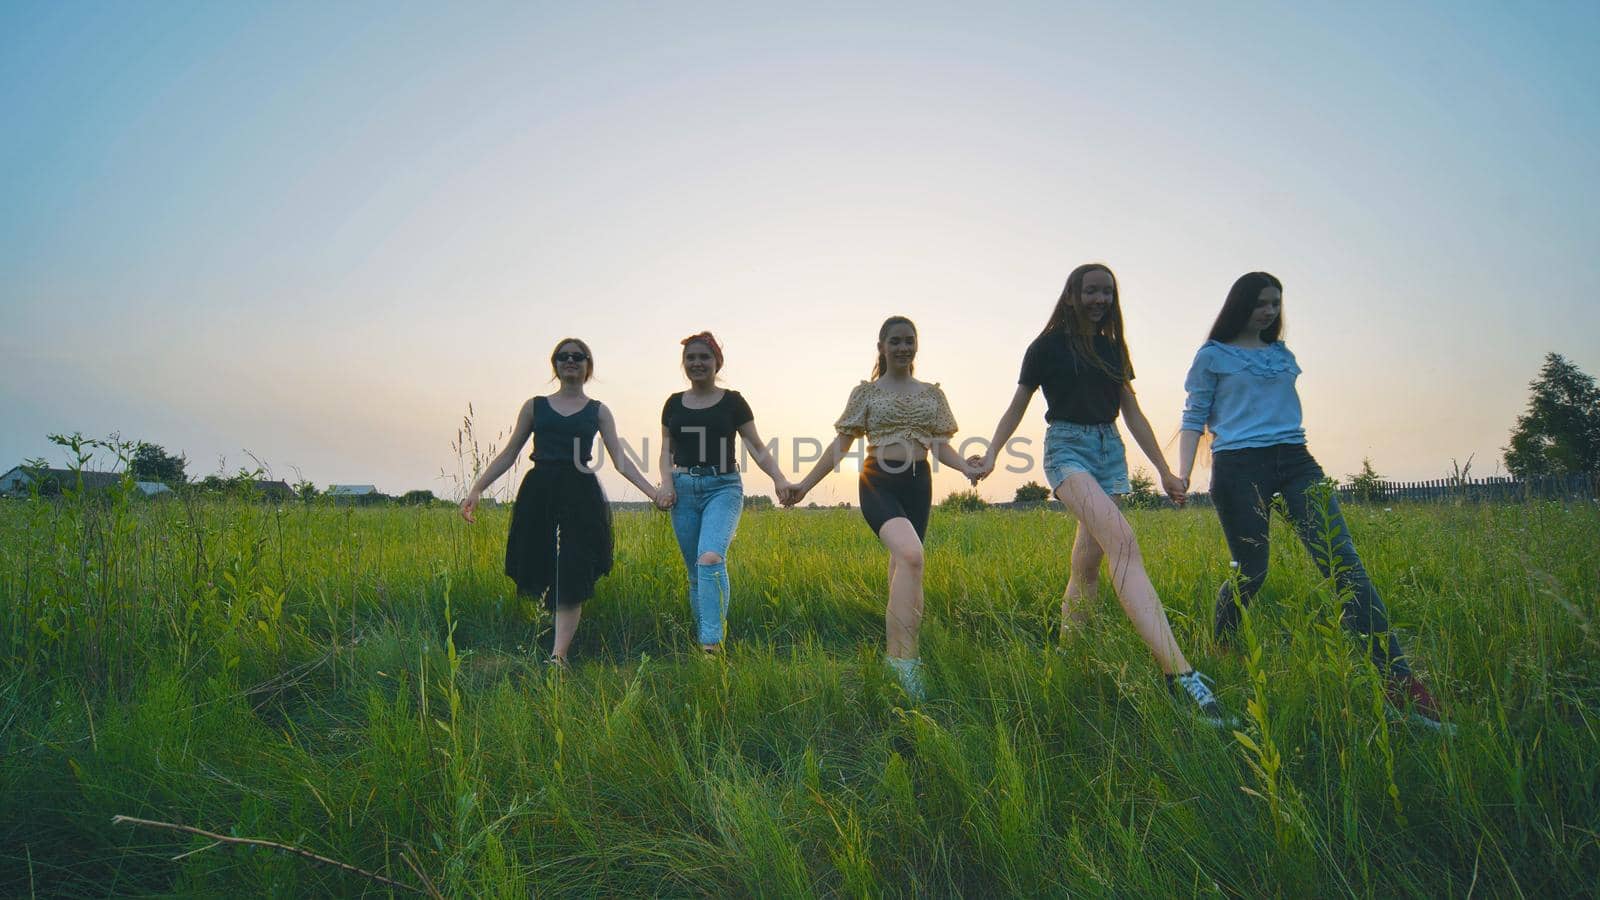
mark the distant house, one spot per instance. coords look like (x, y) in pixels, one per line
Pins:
(19, 480)
(152, 488)
(353, 493)
(274, 490)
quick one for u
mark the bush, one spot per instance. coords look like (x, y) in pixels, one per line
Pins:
(1032, 492)
(963, 501)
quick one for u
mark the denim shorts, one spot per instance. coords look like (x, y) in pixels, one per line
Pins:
(1095, 449)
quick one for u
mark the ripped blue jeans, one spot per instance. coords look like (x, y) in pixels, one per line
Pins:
(704, 519)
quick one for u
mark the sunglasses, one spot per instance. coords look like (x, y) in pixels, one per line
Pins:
(572, 357)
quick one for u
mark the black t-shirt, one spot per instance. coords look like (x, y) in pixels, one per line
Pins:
(705, 437)
(1075, 388)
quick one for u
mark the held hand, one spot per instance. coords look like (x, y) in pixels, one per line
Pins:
(666, 496)
(1176, 488)
(970, 467)
(469, 506)
(979, 467)
(781, 488)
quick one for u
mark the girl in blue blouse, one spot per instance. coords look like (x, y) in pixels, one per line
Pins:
(1242, 389)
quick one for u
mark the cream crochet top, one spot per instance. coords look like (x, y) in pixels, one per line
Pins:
(891, 417)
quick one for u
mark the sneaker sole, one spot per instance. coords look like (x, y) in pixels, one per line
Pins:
(1418, 720)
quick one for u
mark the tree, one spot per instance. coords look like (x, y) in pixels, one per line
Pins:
(1032, 492)
(417, 498)
(151, 462)
(1560, 432)
(757, 501)
(1367, 484)
(1143, 494)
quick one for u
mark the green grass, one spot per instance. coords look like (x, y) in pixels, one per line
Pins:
(363, 684)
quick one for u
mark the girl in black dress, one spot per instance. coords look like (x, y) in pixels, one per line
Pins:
(560, 539)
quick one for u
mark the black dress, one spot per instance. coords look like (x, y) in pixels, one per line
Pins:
(560, 539)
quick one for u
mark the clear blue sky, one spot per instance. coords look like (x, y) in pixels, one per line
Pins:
(318, 231)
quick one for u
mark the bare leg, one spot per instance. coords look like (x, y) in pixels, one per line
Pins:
(890, 582)
(566, 626)
(903, 617)
(1083, 587)
(1111, 531)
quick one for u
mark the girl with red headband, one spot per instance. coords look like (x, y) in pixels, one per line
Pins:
(700, 479)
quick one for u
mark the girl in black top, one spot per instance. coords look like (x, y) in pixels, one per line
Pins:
(700, 480)
(560, 539)
(1081, 361)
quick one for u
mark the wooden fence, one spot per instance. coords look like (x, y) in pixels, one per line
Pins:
(1470, 490)
(1479, 490)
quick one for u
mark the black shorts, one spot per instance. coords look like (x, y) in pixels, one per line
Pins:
(896, 491)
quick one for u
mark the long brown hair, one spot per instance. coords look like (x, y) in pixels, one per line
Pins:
(1241, 303)
(882, 365)
(1068, 320)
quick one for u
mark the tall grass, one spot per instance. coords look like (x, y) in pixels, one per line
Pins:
(363, 683)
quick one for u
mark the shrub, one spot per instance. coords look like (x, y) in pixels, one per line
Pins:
(963, 501)
(1032, 492)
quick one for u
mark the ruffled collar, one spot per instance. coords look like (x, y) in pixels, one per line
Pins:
(1273, 359)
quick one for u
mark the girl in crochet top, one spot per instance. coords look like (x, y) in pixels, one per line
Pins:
(903, 421)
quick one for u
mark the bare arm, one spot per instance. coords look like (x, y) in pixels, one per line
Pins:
(501, 462)
(608, 434)
(830, 460)
(667, 494)
(1139, 427)
(758, 451)
(1006, 427)
(1188, 445)
(945, 452)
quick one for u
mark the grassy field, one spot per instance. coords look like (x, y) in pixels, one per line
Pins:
(362, 684)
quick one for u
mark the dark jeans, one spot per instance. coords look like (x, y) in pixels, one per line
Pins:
(1243, 483)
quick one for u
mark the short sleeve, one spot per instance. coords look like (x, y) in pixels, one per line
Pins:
(1032, 374)
(666, 411)
(853, 421)
(1201, 386)
(943, 423)
(739, 411)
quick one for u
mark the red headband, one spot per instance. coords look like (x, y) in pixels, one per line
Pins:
(706, 338)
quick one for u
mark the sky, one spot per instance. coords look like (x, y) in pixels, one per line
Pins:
(315, 235)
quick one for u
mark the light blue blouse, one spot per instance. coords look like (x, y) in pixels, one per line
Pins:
(1246, 396)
